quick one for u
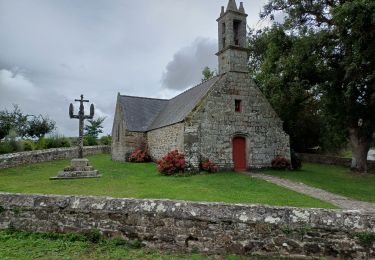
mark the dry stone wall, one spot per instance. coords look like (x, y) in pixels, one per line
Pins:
(212, 228)
(219, 123)
(15, 159)
(163, 140)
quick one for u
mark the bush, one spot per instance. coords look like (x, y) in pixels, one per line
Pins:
(139, 156)
(295, 161)
(56, 142)
(41, 144)
(280, 163)
(209, 166)
(89, 140)
(173, 162)
(28, 145)
(106, 140)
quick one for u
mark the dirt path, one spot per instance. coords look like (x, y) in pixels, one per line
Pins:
(338, 200)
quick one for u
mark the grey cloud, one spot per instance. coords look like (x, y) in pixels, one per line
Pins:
(186, 67)
(53, 51)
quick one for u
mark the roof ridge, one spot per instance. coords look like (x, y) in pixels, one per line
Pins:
(204, 81)
(162, 99)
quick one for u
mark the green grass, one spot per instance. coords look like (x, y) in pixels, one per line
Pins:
(21, 245)
(336, 179)
(129, 180)
(24, 245)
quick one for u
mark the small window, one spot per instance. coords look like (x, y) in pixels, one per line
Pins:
(237, 105)
(118, 133)
(223, 31)
(223, 42)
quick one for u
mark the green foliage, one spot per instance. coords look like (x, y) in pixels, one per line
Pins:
(94, 127)
(341, 60)
(283, 67)
(1, 209)
(28, 145)
(89, 140)
(39, 126)
(366, 239)
(10, 144)
(36, 126)
(208, 73)
(12, 120)
(141, 180)
(57, 142)
(23, 245)
(94, 236)
(105, 140)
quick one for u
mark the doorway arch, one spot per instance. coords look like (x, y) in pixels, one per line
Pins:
(239, 153)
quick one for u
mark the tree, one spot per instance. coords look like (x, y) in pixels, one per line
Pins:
(94, 127)
(39, 126)
(343, 33)
(284, 69)
(12, 120)
(15, 121)
(207, 73)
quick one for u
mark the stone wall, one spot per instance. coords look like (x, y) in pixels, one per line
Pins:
(212, 228)
(15, 159)
(332, 160)
(163, 140)
(219, 123)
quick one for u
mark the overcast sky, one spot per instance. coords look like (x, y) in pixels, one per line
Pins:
(51, 51)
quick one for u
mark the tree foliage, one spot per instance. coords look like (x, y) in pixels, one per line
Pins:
(338, 55)
(94, 127)
(39, 126)
(22, 125)
(13, 120)
(208, 73)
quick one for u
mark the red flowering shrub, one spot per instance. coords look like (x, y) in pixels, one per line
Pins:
(280, 163)
(172, 163)
(209, 166)
(139, 156)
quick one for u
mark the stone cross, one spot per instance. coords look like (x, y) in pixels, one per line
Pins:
(81, 116)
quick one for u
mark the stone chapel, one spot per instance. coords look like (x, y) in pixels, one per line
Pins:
(225, 119)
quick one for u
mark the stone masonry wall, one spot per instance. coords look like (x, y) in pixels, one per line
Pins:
(218, 123)
(15, 159)
(212, 228)
(163, 140)
(332, 160)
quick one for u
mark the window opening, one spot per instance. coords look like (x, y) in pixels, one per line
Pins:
(236, 28)
(237, 105)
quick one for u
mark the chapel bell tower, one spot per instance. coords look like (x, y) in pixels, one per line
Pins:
(233, 52)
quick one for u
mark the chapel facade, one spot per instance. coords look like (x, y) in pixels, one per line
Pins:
(225, 119)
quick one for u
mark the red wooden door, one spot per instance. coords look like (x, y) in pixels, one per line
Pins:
(239, 153)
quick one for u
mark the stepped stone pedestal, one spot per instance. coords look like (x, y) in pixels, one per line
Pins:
(78, 169)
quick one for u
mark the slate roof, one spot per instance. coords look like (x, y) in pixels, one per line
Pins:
(144, 114)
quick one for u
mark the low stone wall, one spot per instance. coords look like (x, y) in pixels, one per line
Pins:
(15, 159)
(212, 228)
(333, 160)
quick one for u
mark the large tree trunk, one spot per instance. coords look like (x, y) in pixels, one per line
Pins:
(360, 146)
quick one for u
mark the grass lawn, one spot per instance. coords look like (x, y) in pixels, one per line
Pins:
(129, 180)
(19, 245)
(336, 179)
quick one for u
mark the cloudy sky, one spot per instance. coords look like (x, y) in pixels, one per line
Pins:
(51, 51)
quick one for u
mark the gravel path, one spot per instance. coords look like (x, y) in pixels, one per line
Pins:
(339, 201)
